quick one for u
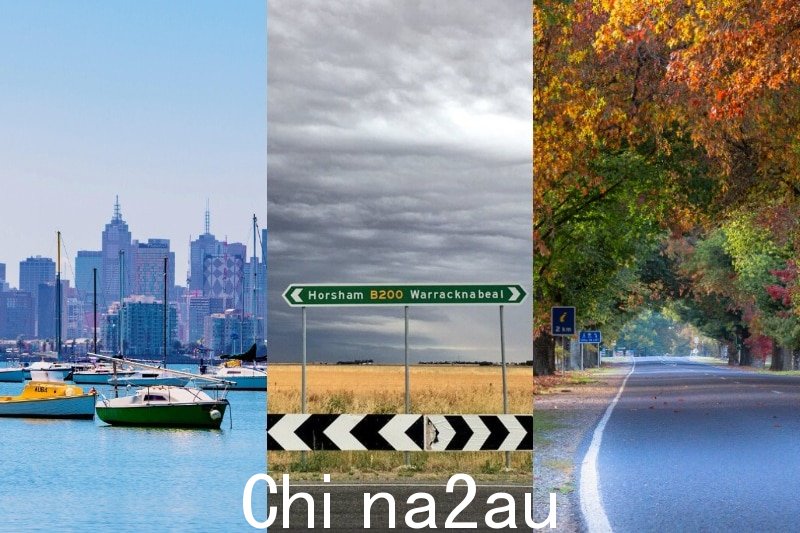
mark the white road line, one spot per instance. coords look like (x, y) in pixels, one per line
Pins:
(777, 392)
(591, 504)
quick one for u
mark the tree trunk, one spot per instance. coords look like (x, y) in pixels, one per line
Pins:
(733, 355)
(544, 354)
(745, 357)
(777, 357)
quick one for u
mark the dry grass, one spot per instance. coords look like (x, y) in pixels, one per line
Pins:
(380, 389)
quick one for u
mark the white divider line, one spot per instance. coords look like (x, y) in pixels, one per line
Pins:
(591, 503)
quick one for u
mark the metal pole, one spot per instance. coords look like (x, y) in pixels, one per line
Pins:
(166, 307)
(303, 378)
(408, 374)
(598, 355)
(303, 373)
(58, 298)
(581, 356)
(94, 306)
(505, 380)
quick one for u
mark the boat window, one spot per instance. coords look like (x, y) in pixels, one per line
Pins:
(154, 398)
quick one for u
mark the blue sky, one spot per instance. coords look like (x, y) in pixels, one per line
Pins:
(163, 103)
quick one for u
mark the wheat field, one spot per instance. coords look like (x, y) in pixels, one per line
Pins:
(435, 389)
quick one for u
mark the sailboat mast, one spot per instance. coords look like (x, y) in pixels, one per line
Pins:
(94, 306)
(164, 323)
(121, 347)
(58, 295)
(255, 278)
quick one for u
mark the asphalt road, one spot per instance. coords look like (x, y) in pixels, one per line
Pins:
(692, 447)
(347, 505)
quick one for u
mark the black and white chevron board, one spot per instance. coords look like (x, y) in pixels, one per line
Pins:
(406, 433)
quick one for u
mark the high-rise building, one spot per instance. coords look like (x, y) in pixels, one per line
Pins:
(254, 300)
(46, 310)
(32, 272)
(147, 276)
(85, 263)
(205, 244)
(116, 239)
(17, 314)
(223, 274)
(143, 327)
(4, 286)
(227, 332)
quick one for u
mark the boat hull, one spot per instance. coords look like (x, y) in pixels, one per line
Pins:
(76, 407)
(12, 375)
(91, 378)
(249, 383)
(165, 416)
(148, 382)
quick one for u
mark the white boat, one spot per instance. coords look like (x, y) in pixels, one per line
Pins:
(46, 399)
(242, 377)
(56, 371)
(99, 375)
(149, 378)
(12, 375)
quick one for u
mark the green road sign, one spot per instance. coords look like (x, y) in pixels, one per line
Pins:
(301, 295)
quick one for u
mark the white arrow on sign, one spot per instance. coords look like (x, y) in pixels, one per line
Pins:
(441, 431)
(395, 432)
(516, 432)
(340, 432)
(514, 294)
(295, 295)
(283, 431)
(479, 432)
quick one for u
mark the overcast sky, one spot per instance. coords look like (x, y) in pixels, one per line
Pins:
(399, 141)
(162, 103)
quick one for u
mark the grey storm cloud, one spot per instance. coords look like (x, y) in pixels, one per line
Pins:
(399, 150)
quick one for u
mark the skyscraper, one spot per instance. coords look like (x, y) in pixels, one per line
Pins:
(147, 272)
(85, 262)
(116, 239)
(205, 244)
(16, 314)
(33, 272)
(223, 274)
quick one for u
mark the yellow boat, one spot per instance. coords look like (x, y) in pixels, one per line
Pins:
(43, 399)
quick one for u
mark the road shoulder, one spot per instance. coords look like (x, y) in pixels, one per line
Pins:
(565, 417)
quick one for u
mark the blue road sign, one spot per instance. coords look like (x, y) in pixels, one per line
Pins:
(590, 337)
(562, 321)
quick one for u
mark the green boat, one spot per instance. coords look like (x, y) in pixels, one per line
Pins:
(164, 406)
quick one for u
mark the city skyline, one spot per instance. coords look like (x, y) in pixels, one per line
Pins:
(182, 257)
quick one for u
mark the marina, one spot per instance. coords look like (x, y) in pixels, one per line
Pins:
(121, 478)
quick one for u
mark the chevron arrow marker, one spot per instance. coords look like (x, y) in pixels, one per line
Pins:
(396, 432)
(340, 432)
(283, 431)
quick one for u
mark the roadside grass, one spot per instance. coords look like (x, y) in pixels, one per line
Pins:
(380, 389)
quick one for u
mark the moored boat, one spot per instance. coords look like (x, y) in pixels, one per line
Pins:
(164, 406)
(242, 377)
(44, 399)
(148, 378)
(12, 375)
(99, 375)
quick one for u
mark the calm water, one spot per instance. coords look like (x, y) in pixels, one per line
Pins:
(80, 475)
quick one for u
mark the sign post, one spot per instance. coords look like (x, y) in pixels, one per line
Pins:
(395, 294)
(591, 337)
(562, 324)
